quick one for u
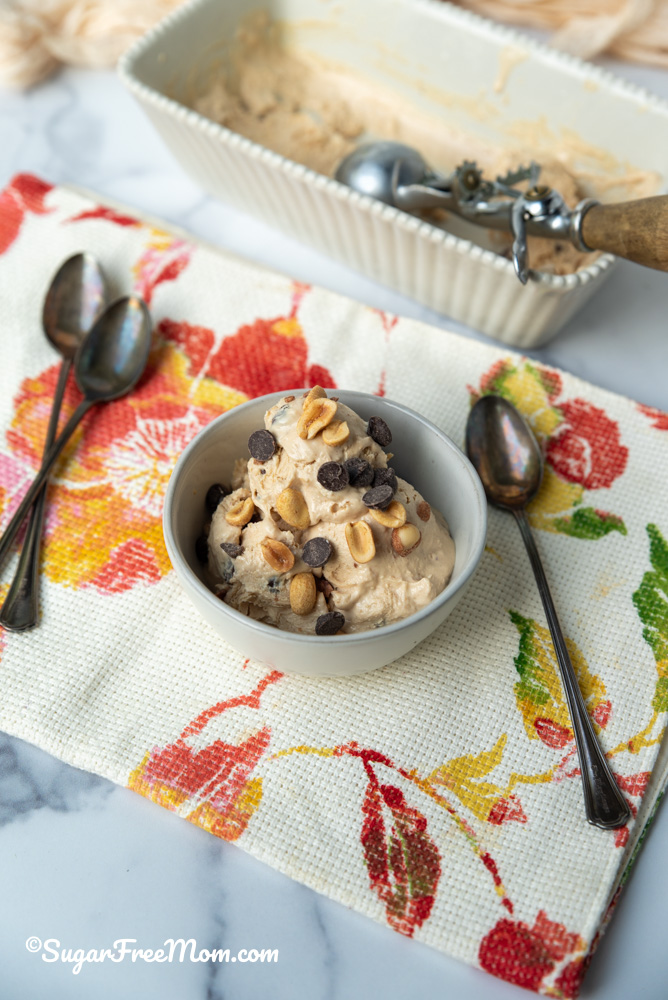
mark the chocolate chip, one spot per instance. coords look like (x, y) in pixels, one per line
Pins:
(214, 495)
(359, 471)
(385, 477)
(330, 624)
(378, 430)
(317, 551)
(232, 550)
(333, 476)
(202, 549)
(379, 497)
(262, 445)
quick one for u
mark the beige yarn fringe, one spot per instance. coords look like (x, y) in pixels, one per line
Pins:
(636, 30)
(36, 36)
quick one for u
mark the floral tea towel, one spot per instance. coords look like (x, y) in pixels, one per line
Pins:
(440, 795)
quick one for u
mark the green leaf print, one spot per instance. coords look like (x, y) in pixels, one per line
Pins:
(539, 692)
(589, 523)
(651, 602)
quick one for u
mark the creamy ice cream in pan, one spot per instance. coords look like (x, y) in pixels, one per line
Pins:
(319, 535)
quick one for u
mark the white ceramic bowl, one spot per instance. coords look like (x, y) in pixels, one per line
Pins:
(423, 455)
(475, 76)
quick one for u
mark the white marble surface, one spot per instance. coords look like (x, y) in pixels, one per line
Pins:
(86, 862)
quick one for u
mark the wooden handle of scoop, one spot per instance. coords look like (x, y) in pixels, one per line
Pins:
(636, 230)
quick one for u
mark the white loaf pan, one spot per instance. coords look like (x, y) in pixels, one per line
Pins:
(447, 63)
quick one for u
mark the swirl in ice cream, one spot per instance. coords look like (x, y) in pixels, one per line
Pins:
(319, 535)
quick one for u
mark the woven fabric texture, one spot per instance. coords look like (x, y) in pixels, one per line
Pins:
(439, 795)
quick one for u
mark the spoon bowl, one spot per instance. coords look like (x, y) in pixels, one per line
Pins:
(75, 299)
(378, 168)
(113, 356)
(507, 457)
(505, 452)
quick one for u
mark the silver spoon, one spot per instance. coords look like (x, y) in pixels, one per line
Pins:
(507, 457)
(74, 300)
(108, 364)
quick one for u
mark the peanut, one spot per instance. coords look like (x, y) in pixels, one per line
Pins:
(405, 539)
(393, 516)
(302, 593)
(241, 512)
(317, 413)
(317, 392)
(336, 433)
(277, 555)
(291, 506)
(360, 541)
(423, 510)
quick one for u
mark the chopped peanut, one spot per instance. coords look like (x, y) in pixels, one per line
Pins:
(360, 541)
(277, 554)
(292, 507)
(393, 516)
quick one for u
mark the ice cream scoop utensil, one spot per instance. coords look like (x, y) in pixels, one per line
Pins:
(75, 299)
(398, 175)
(507, 457)
(108, 364)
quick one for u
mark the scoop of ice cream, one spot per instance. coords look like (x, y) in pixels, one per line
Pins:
(320, 524)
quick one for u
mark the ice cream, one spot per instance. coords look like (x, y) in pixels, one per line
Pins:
(318, 534)
(315, 112)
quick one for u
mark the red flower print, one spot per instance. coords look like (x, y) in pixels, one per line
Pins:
(525, 955)
(111, 480)
(621, 836)
(511, 951)
(634, 784)
(586, 448)
(602, 712)
(552, 734)
(570, 980)
(267, 356)
(582, 443)
(195, 341)
(102, 212)
(388, 322)
(658, 417)
(163, 260)
(215, 784)
(24, 193)
(104, 515)
(506, 810)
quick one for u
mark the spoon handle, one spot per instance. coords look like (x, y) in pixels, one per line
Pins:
(20, 610)
(48, 462)
(605, 805)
